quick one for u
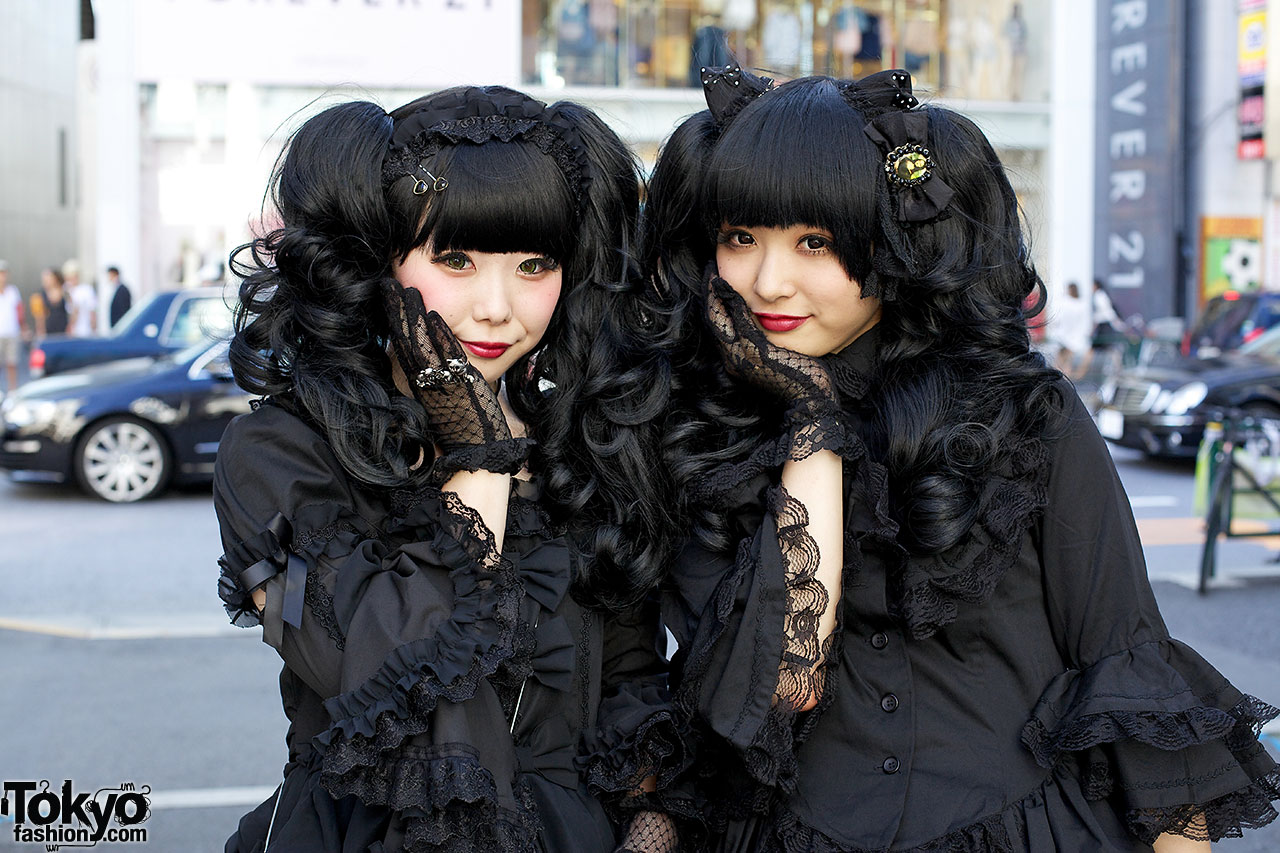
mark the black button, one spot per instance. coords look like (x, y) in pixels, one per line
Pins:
(891, 765)
(879, 640)
(889, 702)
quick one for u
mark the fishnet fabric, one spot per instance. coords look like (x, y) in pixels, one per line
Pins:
(650, 832)
(800, 674)
(465, 414)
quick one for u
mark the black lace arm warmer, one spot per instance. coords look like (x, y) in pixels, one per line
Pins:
(1153, 726)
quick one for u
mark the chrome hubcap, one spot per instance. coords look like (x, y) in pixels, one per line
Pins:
(123, 462)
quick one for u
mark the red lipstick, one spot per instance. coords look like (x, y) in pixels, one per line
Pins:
(486, 349)
(779, 322)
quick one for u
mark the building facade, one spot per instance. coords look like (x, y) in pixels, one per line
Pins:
(40, 183)
(195, 124)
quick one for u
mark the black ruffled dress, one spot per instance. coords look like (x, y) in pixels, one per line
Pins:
(1018, 692)
(440, 697)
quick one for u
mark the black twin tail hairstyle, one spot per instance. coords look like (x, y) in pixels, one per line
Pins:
(311, 329)
(958, 382)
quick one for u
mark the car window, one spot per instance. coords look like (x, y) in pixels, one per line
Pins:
(1222, 320)
(1266, 344)
(199, 318)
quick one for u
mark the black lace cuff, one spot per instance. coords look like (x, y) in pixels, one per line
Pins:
(506, 456)
(1158, 730)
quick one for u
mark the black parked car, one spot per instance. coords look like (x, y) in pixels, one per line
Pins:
(123, 430)
(1230, 321)
(1163, 410)
(164, 323)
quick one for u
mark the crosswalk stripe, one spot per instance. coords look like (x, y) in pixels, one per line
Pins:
(210, 798)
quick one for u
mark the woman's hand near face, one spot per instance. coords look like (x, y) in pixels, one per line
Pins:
(461, 407)
(749, 356)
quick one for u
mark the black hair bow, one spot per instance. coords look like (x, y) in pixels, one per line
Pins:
(919, 195)
(728, 89)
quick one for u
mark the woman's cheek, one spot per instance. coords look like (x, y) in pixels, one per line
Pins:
(542, 305)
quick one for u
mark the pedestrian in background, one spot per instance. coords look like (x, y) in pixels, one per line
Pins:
(913, 614)
(121, 298)
(49, 311)
(1073, 331)
(10, 326)
(82, 301)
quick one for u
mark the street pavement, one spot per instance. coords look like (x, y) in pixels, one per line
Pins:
(117, 665)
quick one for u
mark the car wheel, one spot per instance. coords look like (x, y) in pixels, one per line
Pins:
(122, 460)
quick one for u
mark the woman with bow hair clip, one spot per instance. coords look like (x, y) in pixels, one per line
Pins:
(439, 511)
(913, 614)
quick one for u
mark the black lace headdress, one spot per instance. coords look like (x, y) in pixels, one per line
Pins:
(477, 115)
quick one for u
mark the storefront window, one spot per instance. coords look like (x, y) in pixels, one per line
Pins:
(981, 49)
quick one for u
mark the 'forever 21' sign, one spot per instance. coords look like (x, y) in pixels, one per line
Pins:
(1137, 195)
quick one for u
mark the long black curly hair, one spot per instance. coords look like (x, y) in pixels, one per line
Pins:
(957, 379)
(311, 329)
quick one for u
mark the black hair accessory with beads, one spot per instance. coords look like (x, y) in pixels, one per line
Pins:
(478, 115)
(902, 133)
(728, 89)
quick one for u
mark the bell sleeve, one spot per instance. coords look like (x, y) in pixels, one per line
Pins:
(1151, 725)
(398, 639)
(639, 739)
(746, 621)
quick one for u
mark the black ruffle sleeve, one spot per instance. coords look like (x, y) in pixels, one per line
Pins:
(639, 736)
(1154, 727)
(405, 618)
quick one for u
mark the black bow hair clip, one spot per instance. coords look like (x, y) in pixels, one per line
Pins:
(902, 133)
(728, 89)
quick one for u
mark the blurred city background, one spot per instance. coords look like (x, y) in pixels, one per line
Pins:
(136, 141)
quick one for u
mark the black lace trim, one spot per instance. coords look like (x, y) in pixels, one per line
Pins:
(320, 536)
(506, 456)
(396, 703)
(1167, 730)
(1225, 817)
(657, 748)
(477, 826)
(320, 602)
(584, 686)
(800, 675)
(1222, 817)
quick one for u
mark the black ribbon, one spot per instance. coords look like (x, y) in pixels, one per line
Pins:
(919, 202)
(274, 541)
(728, 89)
(550, 751)
(896, 127)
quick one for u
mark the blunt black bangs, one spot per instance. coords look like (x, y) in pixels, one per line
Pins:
(797, 156)
(501, 197)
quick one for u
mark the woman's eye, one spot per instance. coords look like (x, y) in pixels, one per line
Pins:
(814, 243)
(737, 238)
(456, 261)
(533, 266)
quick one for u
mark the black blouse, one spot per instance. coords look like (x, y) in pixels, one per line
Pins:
(1018, 692)
(440, 696)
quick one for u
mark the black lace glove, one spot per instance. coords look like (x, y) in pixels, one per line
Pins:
(463, 411)
(801, 382)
